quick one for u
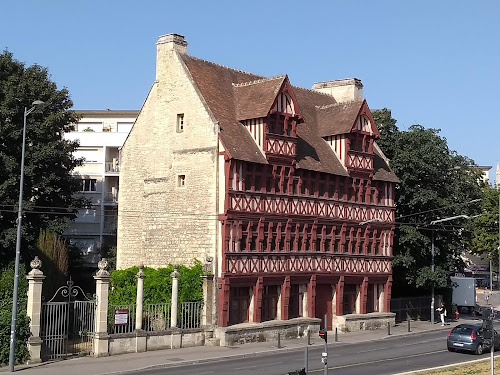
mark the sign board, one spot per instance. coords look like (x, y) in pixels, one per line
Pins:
(121, 317)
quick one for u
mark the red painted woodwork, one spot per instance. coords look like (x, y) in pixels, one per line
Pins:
(339, 296)
(364, 294)
(284, 263)
(324, 295)
(257, 297)
(223, 286)
(285, 298)
(387, 294)
(311, 297)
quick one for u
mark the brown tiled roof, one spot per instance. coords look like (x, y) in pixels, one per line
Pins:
(233, 95)
(337, 118)
(254, 99)
(215, 83)
(381, 169)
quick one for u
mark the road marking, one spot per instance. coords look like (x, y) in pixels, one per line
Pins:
(244, 368)
(378, 361)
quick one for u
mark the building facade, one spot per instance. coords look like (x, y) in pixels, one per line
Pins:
(101, 135)
(281, 191)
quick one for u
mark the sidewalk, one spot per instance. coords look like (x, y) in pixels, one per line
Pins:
(174, 357)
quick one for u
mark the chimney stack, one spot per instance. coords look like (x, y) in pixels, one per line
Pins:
(172, 42)
(343, 90)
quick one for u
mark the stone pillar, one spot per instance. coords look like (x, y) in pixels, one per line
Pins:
(140, 293)
(208, 295)
(175, 293)
(34, 309)
(100, 347)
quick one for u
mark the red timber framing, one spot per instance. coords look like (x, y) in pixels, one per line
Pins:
(287, 228)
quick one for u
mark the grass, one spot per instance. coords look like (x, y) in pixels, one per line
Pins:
(478, 367)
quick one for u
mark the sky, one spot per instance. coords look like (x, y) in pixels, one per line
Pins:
(433, 63)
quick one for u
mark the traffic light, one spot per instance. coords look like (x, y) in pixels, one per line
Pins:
(323, 334)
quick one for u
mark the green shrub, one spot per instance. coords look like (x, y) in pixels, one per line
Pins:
(157, 285)
(22, 322)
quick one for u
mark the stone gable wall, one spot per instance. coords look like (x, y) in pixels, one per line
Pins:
(160, 222)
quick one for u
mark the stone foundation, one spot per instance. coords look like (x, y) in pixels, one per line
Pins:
(361, 322)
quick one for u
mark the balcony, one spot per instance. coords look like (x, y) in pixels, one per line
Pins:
(111, 197)
(112, 167)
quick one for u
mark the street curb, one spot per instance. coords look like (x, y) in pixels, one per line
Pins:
(443, 367)
(258, 354)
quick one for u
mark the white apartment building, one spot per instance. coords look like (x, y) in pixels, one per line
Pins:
(101, 135)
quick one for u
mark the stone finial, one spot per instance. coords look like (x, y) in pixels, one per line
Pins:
(207, 267)
(141, 274)
(102, 265)
(36, 264)
(175, 274)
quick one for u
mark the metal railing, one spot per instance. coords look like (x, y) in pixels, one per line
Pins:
(122, 328)
(156, 317)
(112, 167)
(190, 315)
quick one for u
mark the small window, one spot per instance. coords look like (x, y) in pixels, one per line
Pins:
(180, 122)
(181, 180)
(89, 184)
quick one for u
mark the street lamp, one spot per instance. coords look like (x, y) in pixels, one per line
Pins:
(27, 111)
(432, 251)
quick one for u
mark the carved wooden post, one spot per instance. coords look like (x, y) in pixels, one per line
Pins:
(101, 337)
(34, 309)
(175, 292)
(140, 292)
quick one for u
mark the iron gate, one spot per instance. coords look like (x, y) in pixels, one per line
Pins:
(67, 323)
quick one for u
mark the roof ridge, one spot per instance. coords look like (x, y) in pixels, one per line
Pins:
(223, 66)
(326, 106)
(257, 81)
(313, 91)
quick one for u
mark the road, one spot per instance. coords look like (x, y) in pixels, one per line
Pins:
(388, 356)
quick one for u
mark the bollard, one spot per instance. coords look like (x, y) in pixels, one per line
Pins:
(336, 335)
(389, 328)
(409, 329)
(308, 337)
(279, 340)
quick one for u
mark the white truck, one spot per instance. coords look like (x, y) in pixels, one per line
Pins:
(464, 293)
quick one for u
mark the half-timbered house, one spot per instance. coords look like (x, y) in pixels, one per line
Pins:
(282, 191)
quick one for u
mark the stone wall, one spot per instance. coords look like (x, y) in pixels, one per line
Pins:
(160, 222)
(361, 322)
(148, 341)
(266, 331)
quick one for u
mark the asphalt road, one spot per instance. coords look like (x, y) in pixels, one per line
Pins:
(388, 356)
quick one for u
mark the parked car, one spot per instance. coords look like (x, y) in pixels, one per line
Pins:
(470, 337)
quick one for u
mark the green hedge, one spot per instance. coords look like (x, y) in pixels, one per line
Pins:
(157, 285)
(22, 323)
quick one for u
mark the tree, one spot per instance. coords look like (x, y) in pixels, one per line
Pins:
(48, 199)
(22, 323)
(484, 237)
(388, 130)
(435, 182)
(54, 255)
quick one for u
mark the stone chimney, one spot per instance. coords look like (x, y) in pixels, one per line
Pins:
(165, 49)
(172, 42)
(343, 90)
